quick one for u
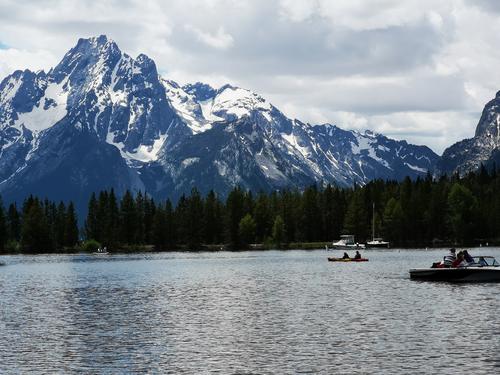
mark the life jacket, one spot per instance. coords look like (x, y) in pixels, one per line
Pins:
(449, 259)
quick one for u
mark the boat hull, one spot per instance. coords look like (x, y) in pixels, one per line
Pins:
(470, 274)
(347, 247)
(379, 245)
(332, 259)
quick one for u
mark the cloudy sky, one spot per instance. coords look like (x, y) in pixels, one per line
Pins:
(419, 70)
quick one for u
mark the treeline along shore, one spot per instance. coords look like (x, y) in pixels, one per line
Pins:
(424, 212)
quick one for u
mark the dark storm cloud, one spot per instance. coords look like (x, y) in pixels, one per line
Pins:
(486, 5)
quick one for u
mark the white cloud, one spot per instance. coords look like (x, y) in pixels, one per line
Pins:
(415, 69)
(298, 10)
(219, 39)
(13, 59)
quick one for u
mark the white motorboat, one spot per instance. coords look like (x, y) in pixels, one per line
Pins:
(347, 242)
(101, 251)
(483, 269)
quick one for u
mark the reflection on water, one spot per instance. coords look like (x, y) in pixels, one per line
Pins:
(252, 312)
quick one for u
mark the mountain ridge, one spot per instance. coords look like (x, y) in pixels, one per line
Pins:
(102, 119)
(482, 149)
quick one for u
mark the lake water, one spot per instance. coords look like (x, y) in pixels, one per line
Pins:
(251, 312)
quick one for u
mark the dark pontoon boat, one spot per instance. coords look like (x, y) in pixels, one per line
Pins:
(483, 269)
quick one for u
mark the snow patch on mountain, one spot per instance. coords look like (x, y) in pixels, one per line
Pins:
(295, 143)
(237, 102)
(416, 168)
(12, 86)
(49, 111)
(187, 107)
(365, 144)
(206, 108)
(143, 153)
(189, 161)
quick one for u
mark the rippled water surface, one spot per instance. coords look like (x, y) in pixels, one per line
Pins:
(251, 312)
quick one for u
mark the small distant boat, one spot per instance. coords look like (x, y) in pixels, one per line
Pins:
(101, 251)
(2, 264)
(483, 269)
(333, 259)
(346, 242)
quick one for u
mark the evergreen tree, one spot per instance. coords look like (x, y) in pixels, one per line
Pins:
(278, 231)
(310, 221)
(234, 213)
(170, 226)
(149, 212)
(112, 221)
(246, 231)
(436, 212)
(462, 212)
(291, 202)
(140, 216)
(70, 227)
(393, 221)
(160, 229)
(13, 223)
(356, 217)
(103, 218)
(213, 219)
(262, 217)
(182, 220)
(163, 227)
(128, 220)
(3, 227)
(92, 225)
(195, 220)
(60, 226)
(35, 231)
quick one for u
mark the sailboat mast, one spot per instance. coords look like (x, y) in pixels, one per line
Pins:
(373, 222)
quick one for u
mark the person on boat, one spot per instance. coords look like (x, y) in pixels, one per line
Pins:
(459, 262)
(449, 258)
(346, 256)
(467, 257)
(358, 255)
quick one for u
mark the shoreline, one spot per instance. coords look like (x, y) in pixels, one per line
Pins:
(308, 246)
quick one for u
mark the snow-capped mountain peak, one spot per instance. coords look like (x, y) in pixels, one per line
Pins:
(102, 119)
(233, 102)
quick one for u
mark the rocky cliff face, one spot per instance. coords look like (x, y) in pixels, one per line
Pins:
(483, 148)
(103, 119)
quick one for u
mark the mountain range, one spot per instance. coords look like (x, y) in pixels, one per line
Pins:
(101, 119)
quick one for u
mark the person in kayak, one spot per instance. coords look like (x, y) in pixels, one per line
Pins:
(358, 255)
(346, 256)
